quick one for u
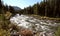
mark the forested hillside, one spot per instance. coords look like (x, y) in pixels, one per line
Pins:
(49, 8)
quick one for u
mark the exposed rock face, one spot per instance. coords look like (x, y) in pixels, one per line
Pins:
(16, 8)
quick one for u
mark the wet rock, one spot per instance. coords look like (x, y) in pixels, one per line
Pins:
(26, 32)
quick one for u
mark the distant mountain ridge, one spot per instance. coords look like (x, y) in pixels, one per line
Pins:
(16, 8)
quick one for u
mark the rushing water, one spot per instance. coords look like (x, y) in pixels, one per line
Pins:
(45, 27)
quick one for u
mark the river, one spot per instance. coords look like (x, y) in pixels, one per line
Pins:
(45, 27)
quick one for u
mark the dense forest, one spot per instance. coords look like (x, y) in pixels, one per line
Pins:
(49, 8)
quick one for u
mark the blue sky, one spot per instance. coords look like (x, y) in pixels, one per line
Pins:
(21, 3)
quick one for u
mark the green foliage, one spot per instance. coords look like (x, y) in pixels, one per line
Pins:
(1, 17)
(11, 9)
(57, 33)
(49, 8)
(4, 28)
(4, 32)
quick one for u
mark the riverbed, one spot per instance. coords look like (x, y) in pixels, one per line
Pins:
(41, 26)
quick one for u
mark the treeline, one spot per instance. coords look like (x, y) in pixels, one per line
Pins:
(5, 8)
(49, 8)
(5, 24)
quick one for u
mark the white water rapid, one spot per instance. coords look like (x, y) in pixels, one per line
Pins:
(45, 27)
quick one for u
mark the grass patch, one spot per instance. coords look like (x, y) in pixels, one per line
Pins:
(57, 33)
(44, 17)
(1, 17)
(4, 33)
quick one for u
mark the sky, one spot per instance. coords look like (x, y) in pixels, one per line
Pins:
(21, 3)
